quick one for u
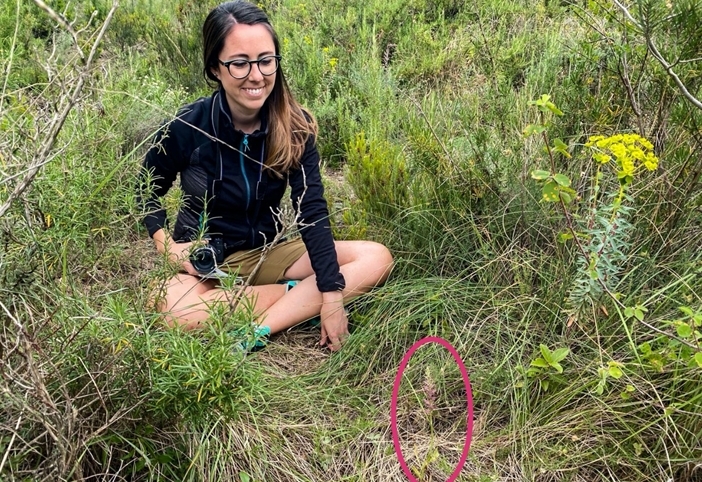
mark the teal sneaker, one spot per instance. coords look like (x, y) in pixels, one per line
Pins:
(290, 284)
(254, 340)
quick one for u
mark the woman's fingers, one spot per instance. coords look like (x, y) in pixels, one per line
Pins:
(334, 327)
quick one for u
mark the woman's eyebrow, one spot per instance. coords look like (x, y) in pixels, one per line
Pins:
(245, 56)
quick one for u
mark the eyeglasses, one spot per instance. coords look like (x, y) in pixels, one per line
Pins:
(240, 68)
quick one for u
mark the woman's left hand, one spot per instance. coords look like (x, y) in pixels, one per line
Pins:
(335, 323)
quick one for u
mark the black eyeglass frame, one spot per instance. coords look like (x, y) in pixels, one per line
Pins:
(250, 62)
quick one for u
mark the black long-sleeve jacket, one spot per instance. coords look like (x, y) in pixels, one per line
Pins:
(228, 193)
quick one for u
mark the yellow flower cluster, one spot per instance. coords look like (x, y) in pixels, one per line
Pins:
(628, 150)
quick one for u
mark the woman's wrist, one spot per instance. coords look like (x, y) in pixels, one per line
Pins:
(332, 296)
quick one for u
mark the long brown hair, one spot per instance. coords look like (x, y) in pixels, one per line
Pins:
(289, 127)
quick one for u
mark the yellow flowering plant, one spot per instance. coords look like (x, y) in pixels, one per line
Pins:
(598, 223)
(599, 227)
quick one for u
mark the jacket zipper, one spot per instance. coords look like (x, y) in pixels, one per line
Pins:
(244, 147)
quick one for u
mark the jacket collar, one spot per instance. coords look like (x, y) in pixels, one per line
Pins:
(222, 109)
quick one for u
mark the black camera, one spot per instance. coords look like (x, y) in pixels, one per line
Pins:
(206, 259)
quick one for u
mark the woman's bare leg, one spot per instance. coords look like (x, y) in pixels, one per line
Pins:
(188, 299)
(364, 264)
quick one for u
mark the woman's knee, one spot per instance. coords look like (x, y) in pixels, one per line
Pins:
(180, 300)
(372, 257)
(383, 259)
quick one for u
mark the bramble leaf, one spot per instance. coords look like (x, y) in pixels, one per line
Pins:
(550, 192)
(562, 179)
(562, 147)
(687, 310)
(684, 330)
(563, 237)
(614, 371)
(552, 107)
(540, 175)
(533, 129)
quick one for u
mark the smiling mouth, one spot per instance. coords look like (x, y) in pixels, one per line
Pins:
(254, 91)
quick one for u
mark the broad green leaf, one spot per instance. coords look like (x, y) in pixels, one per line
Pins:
(687, 310)
(540, 101)
(546, 353)
(563, 237)
(533, 129)
(629, 312)
(540, 363)
(244, 477)
(684, 330)
(639, 314)
(698, 358)
(540, 175)
(615, 372)
(560, 354)
(566, 197)
(562, 179)
(550, 192)
(600, 388)
(656, 361)
(562, 147)
(552, 107)
(645, 348)
(557, 366)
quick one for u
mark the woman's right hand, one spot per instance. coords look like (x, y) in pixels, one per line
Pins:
(178, 253)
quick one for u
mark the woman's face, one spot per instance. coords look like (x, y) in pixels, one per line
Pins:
(246, 96)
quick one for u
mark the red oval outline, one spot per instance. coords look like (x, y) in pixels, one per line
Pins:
(395, 395)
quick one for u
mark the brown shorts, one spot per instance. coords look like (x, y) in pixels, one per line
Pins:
(272, 269)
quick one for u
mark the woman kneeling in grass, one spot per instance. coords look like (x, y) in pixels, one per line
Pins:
(236, 152)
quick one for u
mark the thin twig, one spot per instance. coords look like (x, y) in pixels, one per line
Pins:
(657, 55)
(57, 122)
(12, 439)
(12, 54)
(63, 22)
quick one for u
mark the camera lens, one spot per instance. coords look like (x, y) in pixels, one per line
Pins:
(203, 259)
